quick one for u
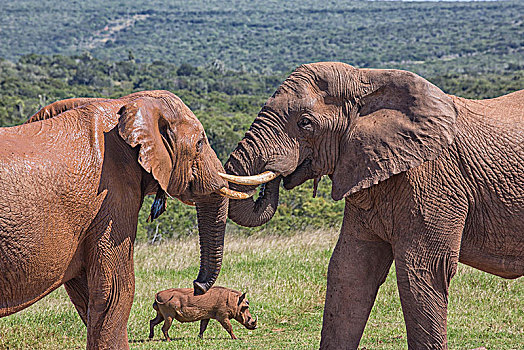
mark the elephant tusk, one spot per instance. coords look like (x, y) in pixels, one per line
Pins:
(226, 192)
(187, 202)
(259, 179)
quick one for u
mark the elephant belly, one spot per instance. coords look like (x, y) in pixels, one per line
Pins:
(495, 246)
(45, 211)
(37, 246)
(31, 268)
(503, 266)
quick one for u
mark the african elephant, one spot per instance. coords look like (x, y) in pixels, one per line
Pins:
(72, 182)
(429, 180)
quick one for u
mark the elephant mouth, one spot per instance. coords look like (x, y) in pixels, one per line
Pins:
(301, 174)
(190, 196)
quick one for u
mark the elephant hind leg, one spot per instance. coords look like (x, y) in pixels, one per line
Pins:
(78, 291)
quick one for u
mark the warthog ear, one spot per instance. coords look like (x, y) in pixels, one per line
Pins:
(242, 297)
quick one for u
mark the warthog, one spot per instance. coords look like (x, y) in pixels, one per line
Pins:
(183, 305)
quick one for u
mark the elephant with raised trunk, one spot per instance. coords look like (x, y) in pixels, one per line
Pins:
(72, 181)
(429, 180)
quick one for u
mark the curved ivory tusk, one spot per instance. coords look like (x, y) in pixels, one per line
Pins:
(226, 192)
(259, 179)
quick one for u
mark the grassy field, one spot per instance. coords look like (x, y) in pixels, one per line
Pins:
(285, 281)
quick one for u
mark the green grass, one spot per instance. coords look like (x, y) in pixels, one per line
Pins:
(285, 281)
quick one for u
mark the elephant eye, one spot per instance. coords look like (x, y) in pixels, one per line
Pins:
(305, 123)
(199, 145)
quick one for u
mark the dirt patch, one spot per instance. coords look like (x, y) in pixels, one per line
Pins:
(109, 32)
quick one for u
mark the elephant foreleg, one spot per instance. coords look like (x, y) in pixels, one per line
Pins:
(111, 288)
(423, 283)
(109, 309)
(78, 292)
(356, 270)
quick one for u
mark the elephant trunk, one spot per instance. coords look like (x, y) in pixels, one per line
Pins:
(246, 160)
(211, 217)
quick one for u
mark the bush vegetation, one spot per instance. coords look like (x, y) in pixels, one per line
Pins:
(225, 101)
(269, 36)
(225, 59)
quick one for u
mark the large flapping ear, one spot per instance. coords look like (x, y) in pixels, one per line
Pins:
(400, 121)
(58, 107)
(141, 124)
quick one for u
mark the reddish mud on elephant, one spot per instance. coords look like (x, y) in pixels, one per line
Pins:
(72, 181)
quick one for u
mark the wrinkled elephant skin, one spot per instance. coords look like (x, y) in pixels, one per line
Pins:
(72, 181)
(429, 180)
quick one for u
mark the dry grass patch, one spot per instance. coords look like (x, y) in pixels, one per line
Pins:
(285, 278)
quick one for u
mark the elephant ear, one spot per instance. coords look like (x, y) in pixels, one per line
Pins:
(402, 122)
(141, 124)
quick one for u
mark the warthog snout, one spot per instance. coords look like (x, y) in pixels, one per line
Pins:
(251, 323)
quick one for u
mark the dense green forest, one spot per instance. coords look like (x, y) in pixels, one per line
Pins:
(225, 101)
(224, 59)
(266, 36)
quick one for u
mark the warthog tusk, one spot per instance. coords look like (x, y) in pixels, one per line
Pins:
(259, 179)
(226, 192)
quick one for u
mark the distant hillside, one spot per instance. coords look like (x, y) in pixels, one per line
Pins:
(225, 101)
(225, 58)
(273, 36)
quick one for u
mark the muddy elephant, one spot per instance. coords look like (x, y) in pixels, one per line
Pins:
(428, 179)
(72, 181)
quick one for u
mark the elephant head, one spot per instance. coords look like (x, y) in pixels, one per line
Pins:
(173, 149)
(359, 126)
